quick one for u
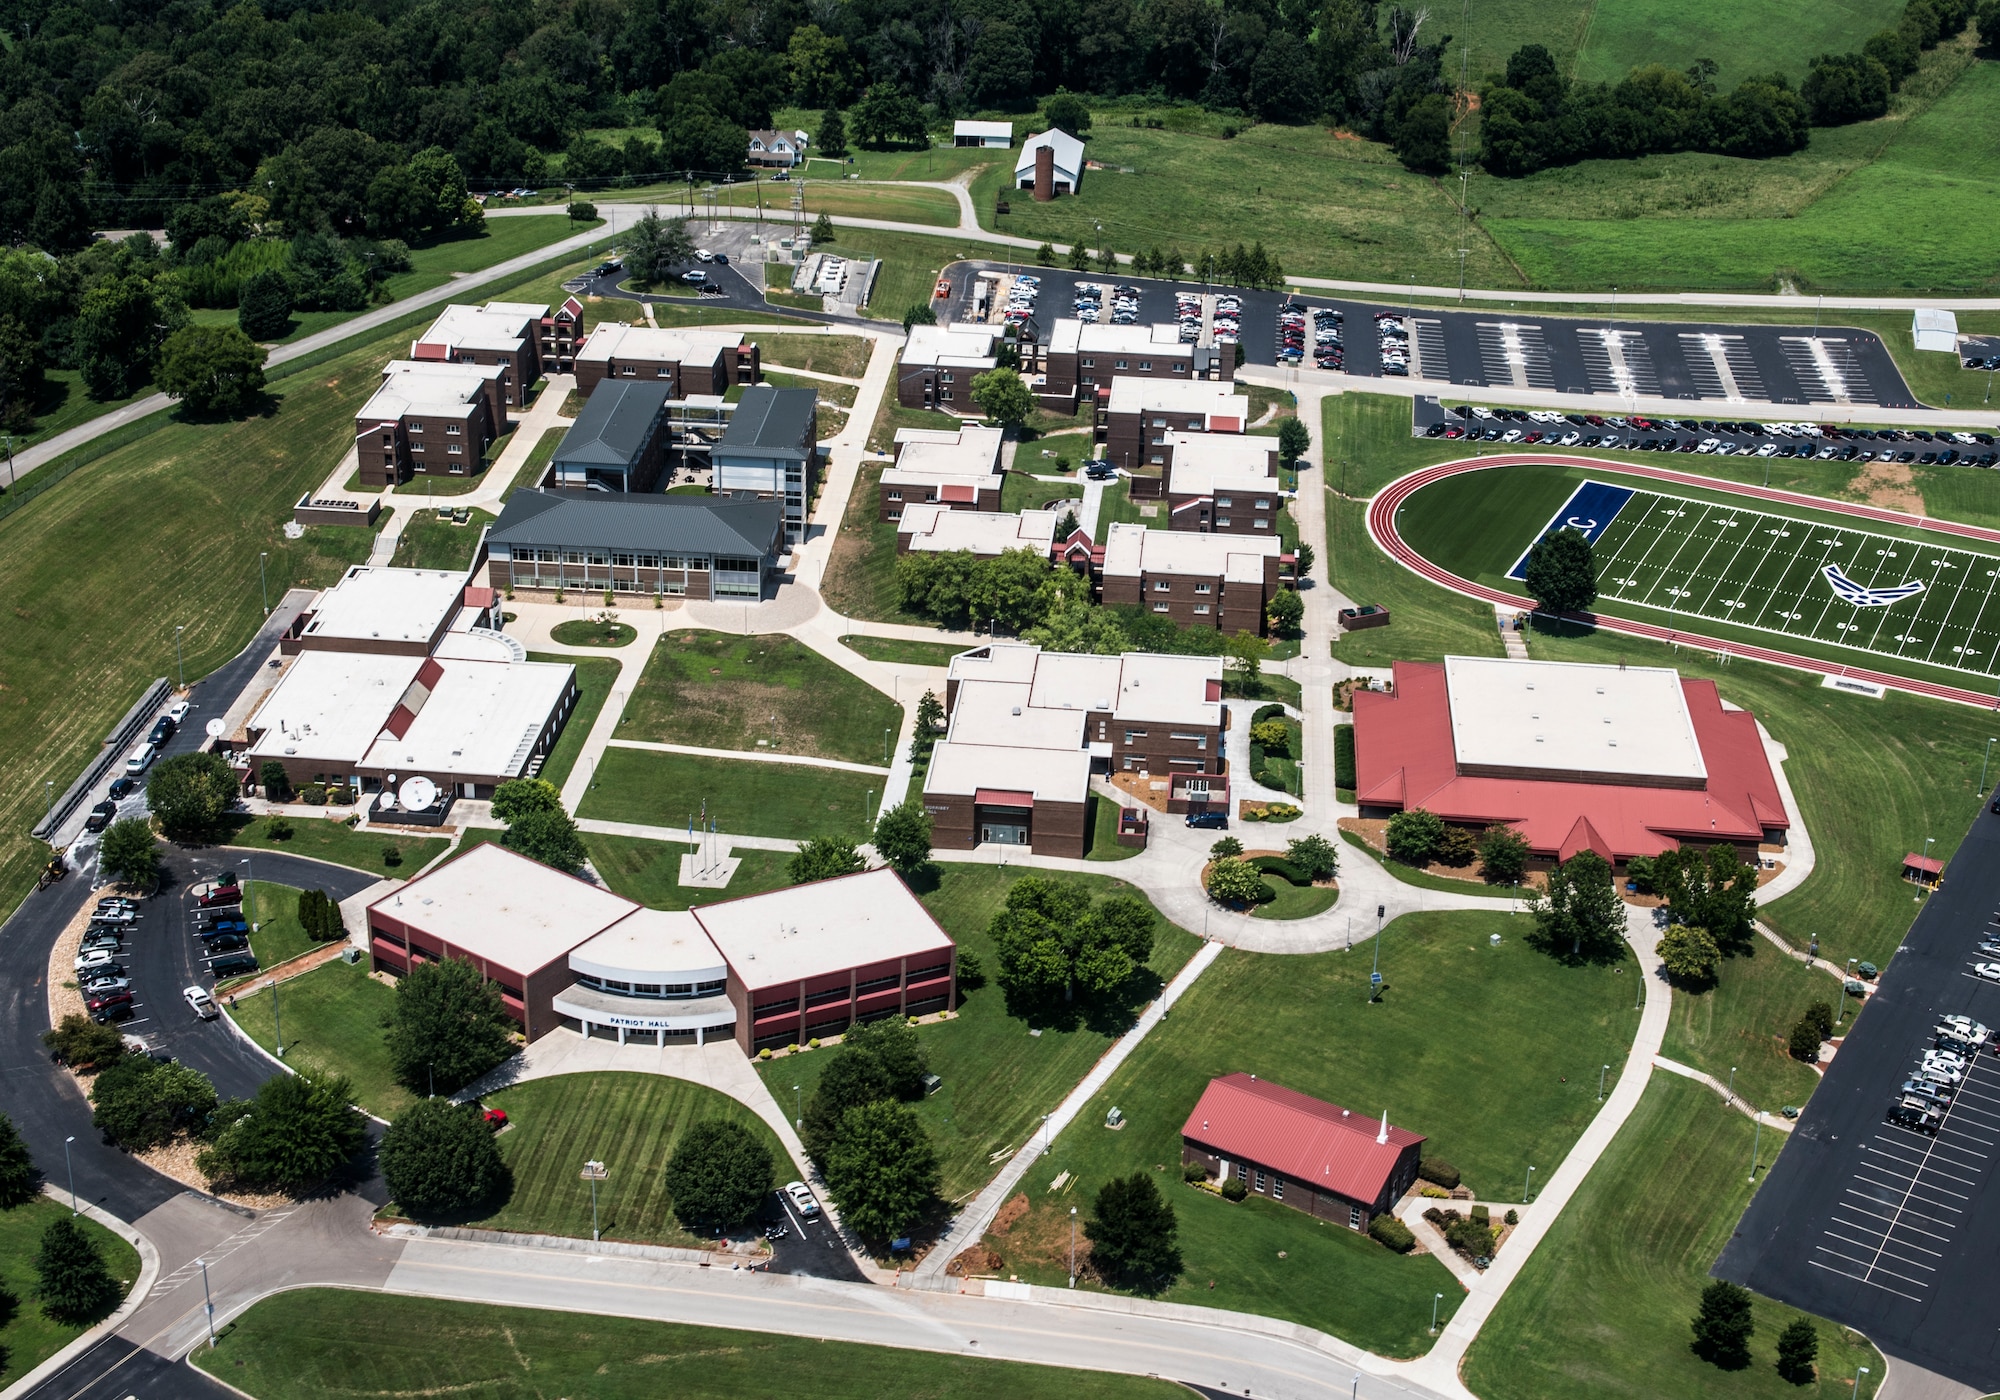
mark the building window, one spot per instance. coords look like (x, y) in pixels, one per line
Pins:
(1260, 1180)
(1145, 364)
(451, 429)
(1203, 588)
(631, 371)
(1124, 364)
(1161, 586)
(1222, 521)
(1277, 1188)
(1354, 1217)
(1088, 362)
(1133, 736)
(1263, 503)
(1200, 609)
(1159, 607)
(1261, 524)
(388, 441)
(455, 450)
(1225, 500)
(895, 495)
(1159, 422)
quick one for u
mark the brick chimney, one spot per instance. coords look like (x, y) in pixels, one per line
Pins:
(1045, 173)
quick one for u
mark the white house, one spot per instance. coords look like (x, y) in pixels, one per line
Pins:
(1063, 166)
(784, 149)
(1935, 330)
(992, 135)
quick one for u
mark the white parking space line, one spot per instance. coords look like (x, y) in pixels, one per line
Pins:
(1872, 1283)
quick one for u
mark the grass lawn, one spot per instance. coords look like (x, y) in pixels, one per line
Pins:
(332, 839)
(861, 573)
(595, 675)
(899, 651)
(1119, 508)
(1527, 1036)
(273, 911)
(1290, 901)
(903, 206)
(496, 241)
(27, 1338)
(300, 1346)
(1601, 1311)
(537, 463)
(1104, 831)
(1019, 492)
(1742, 1021)
(589, 632)
(62, 404)
(649, 871)
(744, 797)
(1424, 880)
(432, 541)
(1616, 36)
(844, 355)
(335, 1018)
(630, 1122)
(999, 1078)
(713, 690)
(838, 395)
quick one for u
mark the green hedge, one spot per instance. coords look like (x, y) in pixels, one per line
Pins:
(1282, 868)
(1343, 755)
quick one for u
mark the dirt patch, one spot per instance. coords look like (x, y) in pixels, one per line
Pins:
(1891, 485)
(1141, 790)
(1009, 1213)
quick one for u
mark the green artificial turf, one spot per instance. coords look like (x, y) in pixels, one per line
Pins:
(1741, 1023)
(334, 1018)
(715, 690)
(273, 912)
(1601, 1311)
(594, 678)
(630, 1122)
(1491, 1052)
(999, 1077)
(301, 1346)
(744, 797)
(432, 541)
(27, 1336)
(331, 839)
(899, 651)
(649, 871)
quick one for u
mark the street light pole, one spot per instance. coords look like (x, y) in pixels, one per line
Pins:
(798, 1113)
(1859, 1372)
(277, 1021)
(70, 1167)
(1732, 1083)
(1527, 1187)
(207, 1302)
(592, 1171)
(1756, 1147)
(1602, 1070)
(180, 672)
(1436, 1298)
(263, 583)
(1375, 973)
(1982, 767)
(1072, 1246)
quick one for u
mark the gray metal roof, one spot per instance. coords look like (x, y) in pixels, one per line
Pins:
(613, 428)
(736, 525)
(772, 419)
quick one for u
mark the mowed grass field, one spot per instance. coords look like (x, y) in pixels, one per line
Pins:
(432, 540)
(595, 675)
(1601, 1311)
(714, 690)
(301, 1346)
(649, 871)
(334, 1018)
(1741, 1022)
(27, 1336)
(1509, 1086)
(1778, 36)
(742, 796)
(842, 197)
(1001, 1070)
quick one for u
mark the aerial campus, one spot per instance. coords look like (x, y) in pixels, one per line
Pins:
(879, 701)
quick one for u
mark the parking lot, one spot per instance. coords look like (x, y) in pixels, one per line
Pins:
(1828, 366)
(1881, 1211)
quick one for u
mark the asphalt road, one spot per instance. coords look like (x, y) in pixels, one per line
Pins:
(1889, 1231)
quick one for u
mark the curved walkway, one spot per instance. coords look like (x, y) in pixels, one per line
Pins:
(1387, 502)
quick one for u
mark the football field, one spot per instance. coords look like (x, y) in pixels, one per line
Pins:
(1877, 594)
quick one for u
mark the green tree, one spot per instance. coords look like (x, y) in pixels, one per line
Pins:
(1286, 611)
(832, 137)
(851, 1078)
(319, 916)
(442, 198)
(211, 369)
(1423, 137)
(1078, 257)
(823, 230)
(1804, 1040)
(1713, 888)
(897, 1048)
(1294, 439)
(886, 115)
(1724, 1326)
(581, 211)
(447, 1026)
(654, 247)
(1315, 855)
(1798, 1349)
(1245, 653)
(17, 1169)
(298, 1129)
(1846, 87)
(1045, 256)
(1051, 939)
(1236, 882)
(1562, 572)
(82, 1044)
(128, 853)
(140, 1103)
(1066, 111)
(1689, 955)
(120, 323)
(276, 781)
(549, 837)
(903, 837)
(719, 1174)
(523, 796)
(1224, 848)
(1303, 561)
(882, 1170)
(440, 1158)
(1003, 396)
(73, 1281)
(1456, 848)
(1503, 855)
(264, 305)
(1580, 908)
(189, 793)
(823, 858)
(928, 727)
(1414, 836)
(1132, 1233)
(1820, 1013)
(919, 315)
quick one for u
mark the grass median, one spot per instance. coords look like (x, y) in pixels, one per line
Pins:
(332, 840)
(595, 676)
(273, 912)
(744, 797)
(302, 1346)
(27, 1336)
(334, 1018)
(649, 871)
(900, 651)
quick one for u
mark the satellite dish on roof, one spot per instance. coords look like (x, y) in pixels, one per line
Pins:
(418, 793)
(216, 729)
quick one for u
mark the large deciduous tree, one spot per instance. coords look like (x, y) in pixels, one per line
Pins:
(882, 1169)
(1562, 572)
(189, 793)
(294, 1134)
(140, 1103)
(440, 1158)
(211, 369)
(719, 1174)
(1054, 943)
(549, 837)
(1712, 889)
(903, 837)
(1003, 396)
(1132, 1233)
(129, 854)
(1579, 915)
(447, 1027)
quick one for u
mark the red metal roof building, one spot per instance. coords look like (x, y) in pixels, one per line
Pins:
(1310, 1154)
(1690, 770)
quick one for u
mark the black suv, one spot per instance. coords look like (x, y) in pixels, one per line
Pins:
(1209, 821)
(100, 816)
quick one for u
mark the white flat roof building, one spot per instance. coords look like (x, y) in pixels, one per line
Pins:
(1609, 724)
(961, 769)
(969, 452)
(1132, 550)
(664, 947)
(1199, 405)
(940, 529)
(478, 719)
(492, 904)
(329, 706)
(371, 603)
(498, 325)
(996, 135)
(429, 389)
(828, 926)
(961, 346)
(1934, 329)
(1206, 462)
(680, 345)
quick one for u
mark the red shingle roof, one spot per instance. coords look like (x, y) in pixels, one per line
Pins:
(1309, 1140)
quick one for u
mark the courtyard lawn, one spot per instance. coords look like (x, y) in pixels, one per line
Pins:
(629, 1122)
(649, 871)
(1019, 492)
(334, 1018)
(1601, 1312)
(1424, 880)
(743, 797)
(898, 651)
(861, 573)
(844, 355)
(1290, 901)
(432, 540)
(999, 1076)
(1741, 1024)
(1119, 508)
(300, 1346)
(1104, 845)
(333, 840)
(714, 690)
(595, 676)
(27, 1337)
(273, 912)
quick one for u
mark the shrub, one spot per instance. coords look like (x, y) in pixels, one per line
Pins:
(1234, 880)
(1414, 836)
(1315, 855)
(1272, 734)
(1804, 1040)
(1435, 1193)
(1194, 1171)
(1228, 846)
(1283, 869)
(1639, 870)
(1343, 756)
(80, 1043)
(1821, 1016)
(1689, 955)
(1457, 848)
(1503, 855)
(140, 1103)
(1234, 1189)
(1392, 1233)
(1436, 1169)
(278, 829)
(1512, 1217)
(392, 856)
(313, 794)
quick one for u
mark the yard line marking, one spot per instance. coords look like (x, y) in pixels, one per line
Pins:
(1687, 538)
(1743, 542)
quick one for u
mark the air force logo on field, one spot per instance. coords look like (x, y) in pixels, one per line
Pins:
(1848, 591)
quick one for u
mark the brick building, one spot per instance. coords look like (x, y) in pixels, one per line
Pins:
(1222, 581)
(958, 470)
(671, 546)
(1078, 360)
(428, 419)
(507, 334)
(689, 361)
(1312, 1155)
(1225, 483)
(562, 332)
(938, 363)
(1137, 414)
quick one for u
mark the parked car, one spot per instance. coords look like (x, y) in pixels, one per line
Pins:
(104, 939)
(178, 712)
(100, 816)
(105, 1000)
(1209, 821)
(496, 1118)
(225, 942)
(97, 986)
(117, 902)
(141, 759)
(122, 787)
(1964, 1027)
(694, 278)
(121, 1011)
(200, 1002)
(802, 1199)
(218, 896)
(1916, 1114)
(163, 730)
(227, 924)
(235, 965)
(1987, 970)
(114, 914)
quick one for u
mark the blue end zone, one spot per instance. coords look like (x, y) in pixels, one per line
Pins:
(1591, 508)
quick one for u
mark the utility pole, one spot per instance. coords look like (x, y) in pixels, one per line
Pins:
(180, 672)
(263, 583)
(1375, 975)
(277, 1022)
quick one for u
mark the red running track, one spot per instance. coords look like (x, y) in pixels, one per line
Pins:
(1382, 526)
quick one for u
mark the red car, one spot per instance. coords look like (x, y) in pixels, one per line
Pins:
(496, 1118)
(221, 895)
(109, 1000)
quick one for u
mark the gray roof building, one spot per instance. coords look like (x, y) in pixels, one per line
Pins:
(772, 420)
(702, 526)
(616, 439)
(772, 449)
